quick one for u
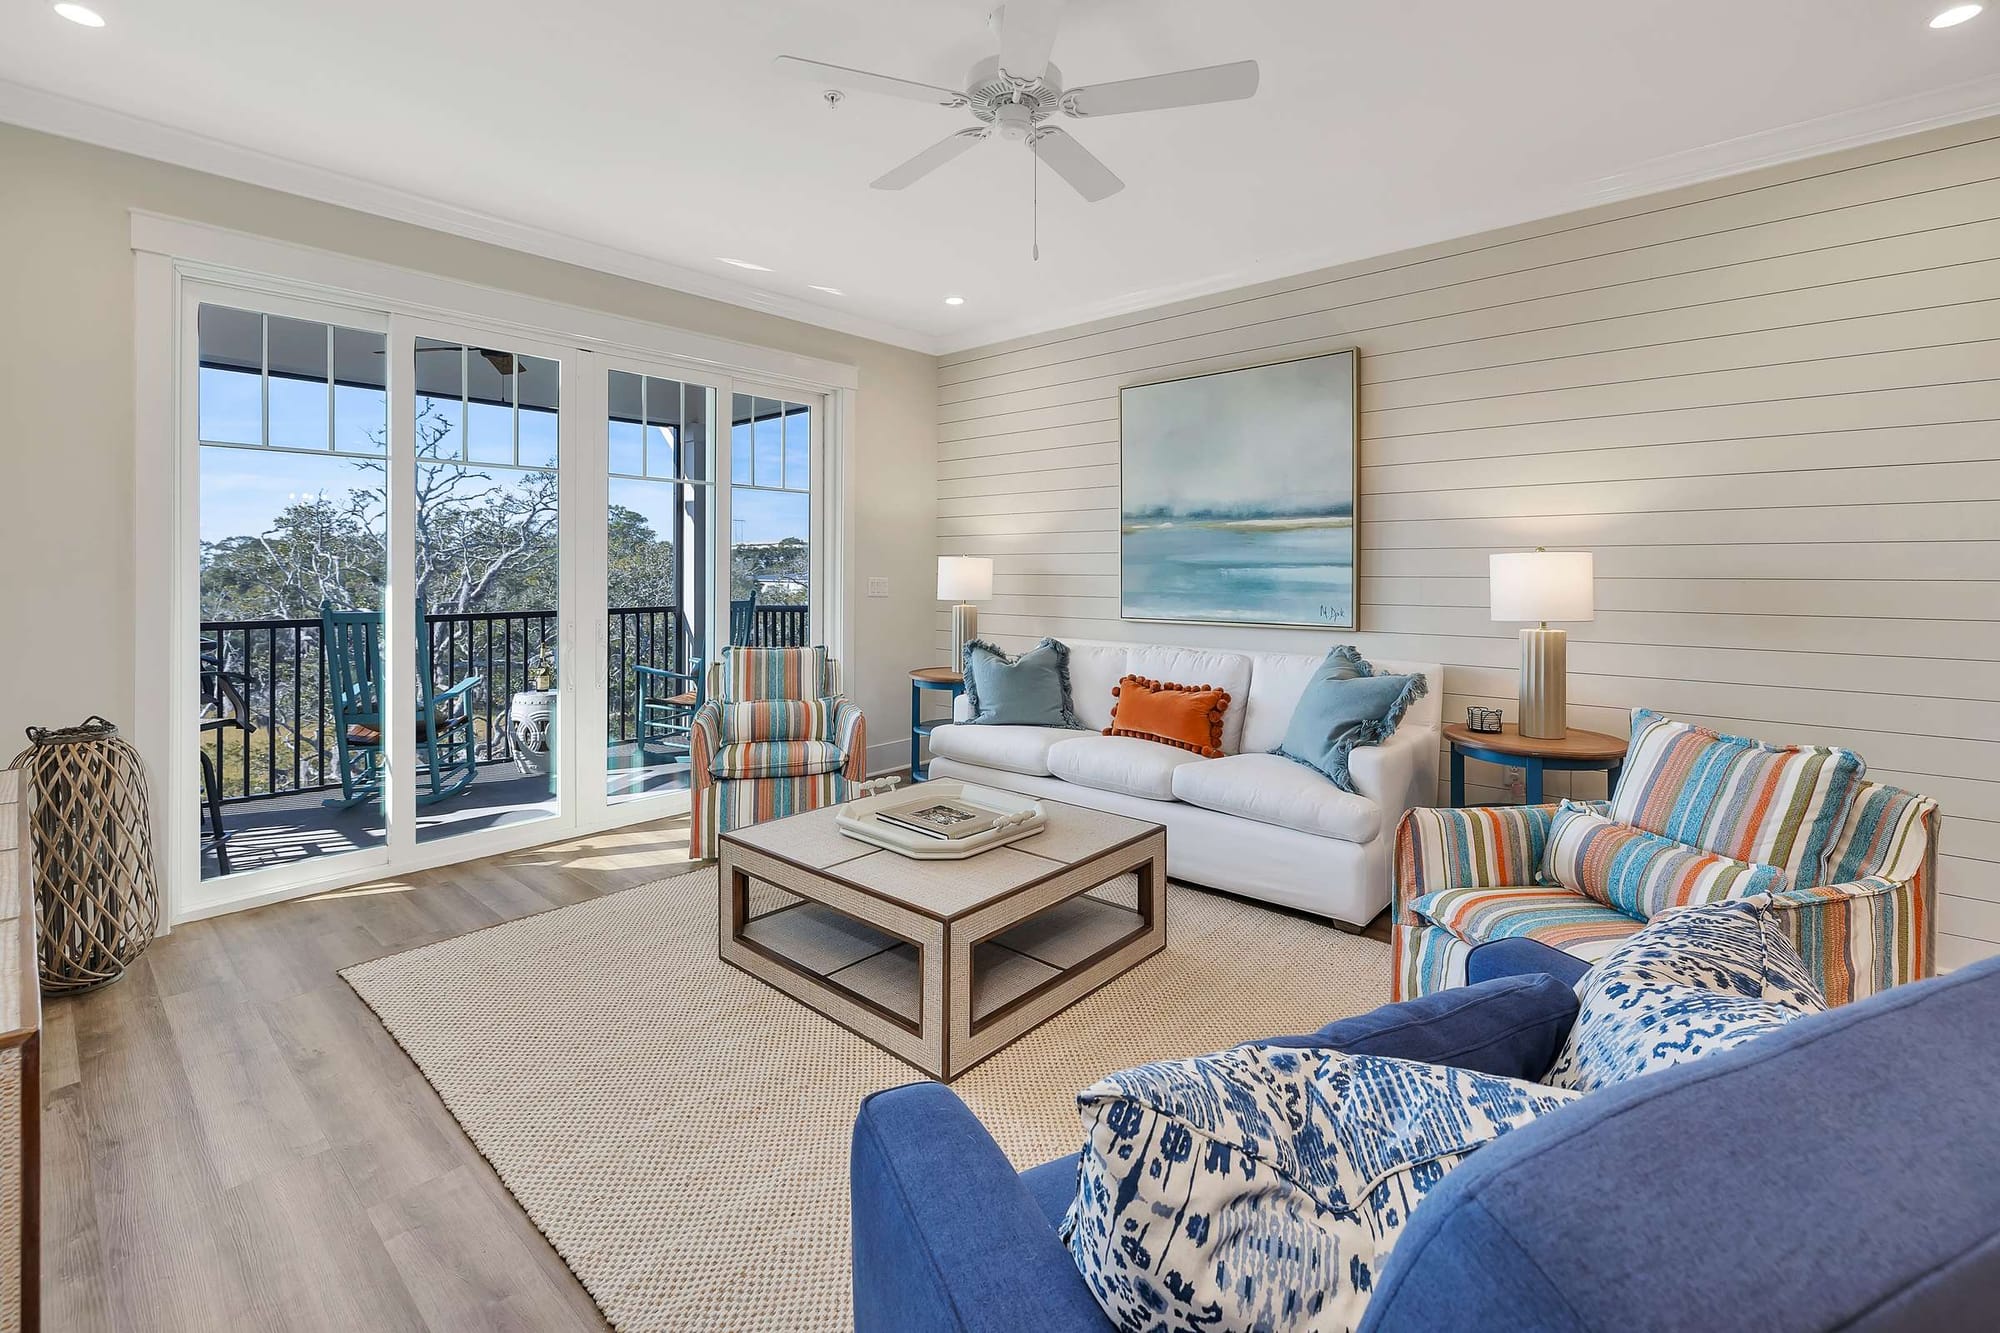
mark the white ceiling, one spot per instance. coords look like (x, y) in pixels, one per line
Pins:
(652, 137)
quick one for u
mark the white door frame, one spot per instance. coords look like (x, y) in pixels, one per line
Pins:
(175, 260)
(597, 809)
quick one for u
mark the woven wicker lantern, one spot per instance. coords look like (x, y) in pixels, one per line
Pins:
(98, 900)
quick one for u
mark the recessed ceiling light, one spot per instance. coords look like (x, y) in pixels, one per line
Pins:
(1956, 15)
(954, 300)
(90, 18)
(744, 263)
(830, 291)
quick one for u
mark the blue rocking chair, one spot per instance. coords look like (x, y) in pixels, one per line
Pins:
(351, 642)
(669, 699)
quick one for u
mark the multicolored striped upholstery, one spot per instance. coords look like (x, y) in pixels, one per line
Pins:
(1875, 927)
(739, 782)
(1872, 930)
(1886, 835)
(775, 673)
(1555, 917)
(776, 759)
(778, 720)
(1425, 959)
(1642, 874)
(1773, 805)
(1449, 849)
(741, 804)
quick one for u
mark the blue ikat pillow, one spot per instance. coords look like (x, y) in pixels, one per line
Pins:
(1695, 981)
(1264, 1187)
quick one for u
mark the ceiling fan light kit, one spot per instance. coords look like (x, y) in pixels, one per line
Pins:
(1014, 93)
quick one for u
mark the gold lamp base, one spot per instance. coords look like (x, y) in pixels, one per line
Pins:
(1544, 709)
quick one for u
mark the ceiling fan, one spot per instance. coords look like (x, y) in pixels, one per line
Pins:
(1014, 92)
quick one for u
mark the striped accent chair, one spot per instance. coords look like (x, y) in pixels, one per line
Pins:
(1859, 906)
(775, 738)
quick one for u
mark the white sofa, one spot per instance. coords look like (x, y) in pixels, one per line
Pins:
(1251, 822)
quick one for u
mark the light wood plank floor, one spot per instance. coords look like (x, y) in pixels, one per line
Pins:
(232, 1141)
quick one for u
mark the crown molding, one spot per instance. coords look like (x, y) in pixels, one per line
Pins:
(69, 118)
(1934, 109)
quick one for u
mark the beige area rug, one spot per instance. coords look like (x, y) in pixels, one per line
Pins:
(679, 1130)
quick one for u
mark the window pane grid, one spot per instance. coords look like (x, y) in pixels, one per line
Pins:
(285, 385)
(770, 456)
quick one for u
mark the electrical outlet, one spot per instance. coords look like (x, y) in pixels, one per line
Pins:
(878, 587)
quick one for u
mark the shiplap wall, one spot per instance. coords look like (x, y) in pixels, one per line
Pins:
(1770, 404)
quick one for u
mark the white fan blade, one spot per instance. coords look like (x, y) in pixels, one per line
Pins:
(860, 80)
(1157, 92)
(924, 163)
(1027, 35)
(1075, 164)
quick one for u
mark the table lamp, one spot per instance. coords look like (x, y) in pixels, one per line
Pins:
(964, 579)
(1542, 585)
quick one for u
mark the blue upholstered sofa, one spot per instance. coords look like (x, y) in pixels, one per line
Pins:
(1841, 1173)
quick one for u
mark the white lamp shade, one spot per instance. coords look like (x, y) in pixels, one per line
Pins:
(964, 578)
(1542, 585)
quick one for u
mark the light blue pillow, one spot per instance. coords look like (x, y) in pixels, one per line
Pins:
(1264, 1188)
(1031, 690)
(1344, 705)
(1694, 981)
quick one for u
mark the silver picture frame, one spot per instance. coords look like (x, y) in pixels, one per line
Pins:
(1245, 528)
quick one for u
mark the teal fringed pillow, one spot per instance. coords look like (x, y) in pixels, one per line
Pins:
(1344, 705)
(1031, 690)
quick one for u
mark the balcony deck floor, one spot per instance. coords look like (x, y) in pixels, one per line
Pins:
(287, 829)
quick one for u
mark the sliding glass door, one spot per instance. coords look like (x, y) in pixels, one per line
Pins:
(291, 460)
(486, 507)
(456, 590)
(659, 567)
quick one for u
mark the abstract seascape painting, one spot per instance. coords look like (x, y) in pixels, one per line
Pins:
(1239, 495)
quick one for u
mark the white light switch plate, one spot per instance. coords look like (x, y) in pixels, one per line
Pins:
(878, 587)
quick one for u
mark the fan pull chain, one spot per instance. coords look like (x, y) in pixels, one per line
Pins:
(1034, 204)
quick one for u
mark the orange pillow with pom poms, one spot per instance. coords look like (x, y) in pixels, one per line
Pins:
(1188, 717)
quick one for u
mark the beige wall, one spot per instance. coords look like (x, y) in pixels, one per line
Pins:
(1770, 405)
(66, 417)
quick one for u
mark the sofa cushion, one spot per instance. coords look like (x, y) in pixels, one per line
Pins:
(775, 673)
(1226, 671)
(776, 759)
(1262, 1187)
(1187, 717)
(1774, 805)
(1639, 873)
(1346, 705)
(1555, 917)
(1693, 981)
(1030, 690)
(1015, 749)
(1122, 764)
(1511, 1026)
(1094, 669)
(779, 720)
(1272, 789)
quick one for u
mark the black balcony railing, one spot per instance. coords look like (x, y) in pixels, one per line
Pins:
(279, 670)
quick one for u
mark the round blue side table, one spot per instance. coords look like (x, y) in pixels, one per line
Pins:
(922, 681)
(1577, 751)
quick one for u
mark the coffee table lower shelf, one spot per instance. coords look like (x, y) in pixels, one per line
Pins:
(943, 989)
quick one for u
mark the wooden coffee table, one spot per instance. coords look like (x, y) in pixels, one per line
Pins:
(942, 963)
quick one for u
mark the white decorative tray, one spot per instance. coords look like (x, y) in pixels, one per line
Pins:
(1022, 817)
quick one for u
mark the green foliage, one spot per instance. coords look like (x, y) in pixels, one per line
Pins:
(781, 568)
